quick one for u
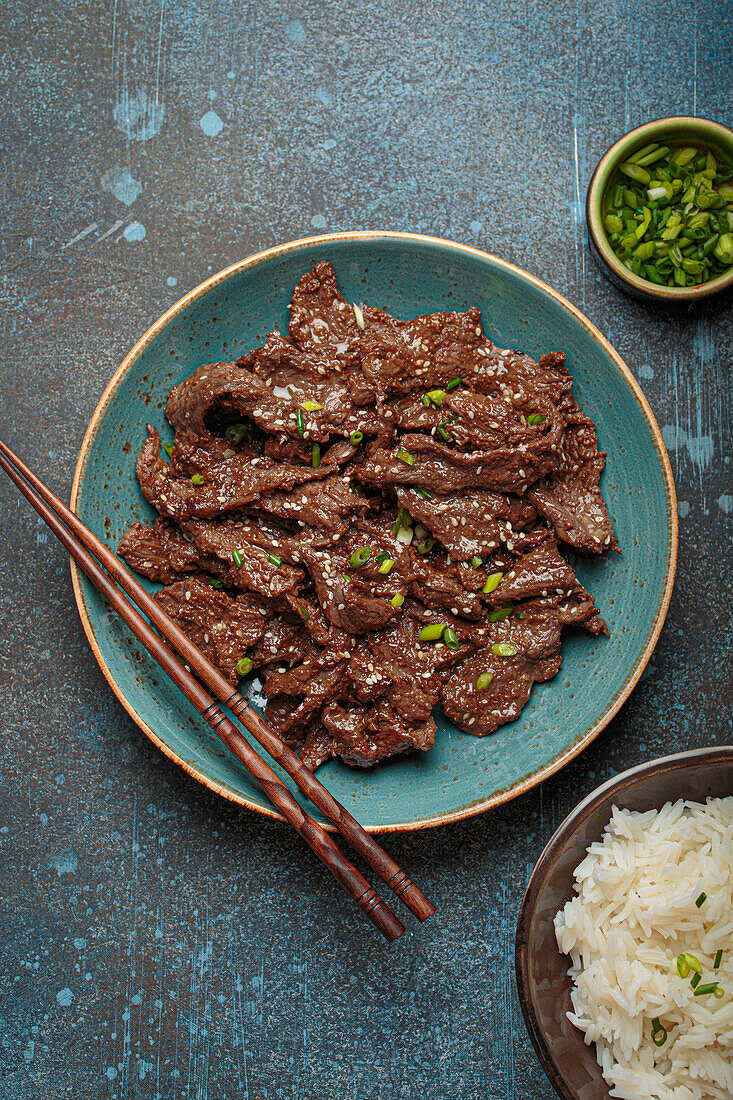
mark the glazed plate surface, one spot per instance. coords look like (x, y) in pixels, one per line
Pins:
(405, 274)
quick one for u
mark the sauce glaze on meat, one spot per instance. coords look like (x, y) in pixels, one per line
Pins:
(258, 530)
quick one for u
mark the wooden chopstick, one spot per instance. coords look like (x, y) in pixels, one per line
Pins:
(308, 783)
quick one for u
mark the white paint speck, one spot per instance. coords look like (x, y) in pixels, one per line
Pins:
(120, 183)
(211, 124)
(725, 503)
(683, 508)
(318, 221)
(212, 94)
(172, 280)
(134, 232)
(65, 997)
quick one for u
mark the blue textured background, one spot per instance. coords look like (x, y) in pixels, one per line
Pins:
(156, 942)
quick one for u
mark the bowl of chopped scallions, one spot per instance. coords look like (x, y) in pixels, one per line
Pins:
(660, 210)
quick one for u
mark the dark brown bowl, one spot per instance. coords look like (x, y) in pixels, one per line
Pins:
(544, 986)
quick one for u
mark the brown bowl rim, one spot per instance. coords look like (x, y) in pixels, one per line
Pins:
(713, 754)
(594, 196)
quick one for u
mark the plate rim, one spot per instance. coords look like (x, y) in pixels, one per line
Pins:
(567, 755)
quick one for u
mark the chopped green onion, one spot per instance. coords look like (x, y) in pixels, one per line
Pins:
(426, 401)
(484, 680)
(168, 448)
(397, 600)
(504, 649)
(700, 901)
(424, 493)
(536, 418)
(303, 612)
(634, 172)
(274, 559)
(406, 457)
(476, 562)
(346, 577)
(492, 582)
(228, 453)
(311, 406)
(198, 479)
(719, 993)
(244, 666)
(708, 987)
(358, 314)
(431, 633)
(718, 958)
(659, 1033)
(360, 557)
(438, 396)
(236, 557)
(381, 556)
(695, 981)
(385, 566)
(315, 456)
(451, 638)
(355, 438)
(443, 433)
(687, 962)
(299, 421)
(501, 613)
(235, 433)
(723, 250)
(425, 546)
(214, 582)
(454, 382)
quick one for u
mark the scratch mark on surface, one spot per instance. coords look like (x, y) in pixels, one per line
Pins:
(160, 45)
(80, 236)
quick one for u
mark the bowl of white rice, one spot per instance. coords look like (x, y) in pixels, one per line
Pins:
(624, 949)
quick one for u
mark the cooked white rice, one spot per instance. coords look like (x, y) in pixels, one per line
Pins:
(634, 912)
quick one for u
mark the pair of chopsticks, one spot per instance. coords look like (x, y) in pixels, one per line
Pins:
(91, 554)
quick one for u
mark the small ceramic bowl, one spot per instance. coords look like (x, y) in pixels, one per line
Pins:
(701, 131)
(544, 986)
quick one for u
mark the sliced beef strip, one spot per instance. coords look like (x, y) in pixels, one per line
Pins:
(327, 505)
(482, 712)
(223, 628)
(162, 553)
(431, 349)
(256, 573)
(295, 377)
(237, 481)
(282, 643)
(437, 585)
(322, 322)
(521, 380)
(227, 390)
(319, 678)
(441, 468)
(536, 639)
(473, 523)
(362, 736)
(570, 498)
(356, 605)
(544, 575)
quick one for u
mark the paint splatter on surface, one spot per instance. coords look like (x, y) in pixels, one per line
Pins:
(205, 953)
(120, 183)
(211, 124)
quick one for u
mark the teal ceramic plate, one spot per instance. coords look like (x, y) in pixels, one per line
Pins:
(406, 274)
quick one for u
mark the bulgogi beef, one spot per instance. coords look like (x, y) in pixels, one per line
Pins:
(369, 510)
